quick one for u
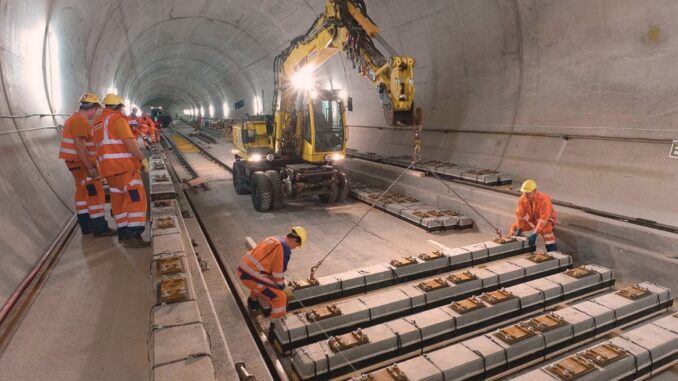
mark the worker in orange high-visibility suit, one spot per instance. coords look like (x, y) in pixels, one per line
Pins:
(262, 270)
(120, 162)
(79, 153)
(133, 121)
(535, 213)
(153, 133)
(145, 132)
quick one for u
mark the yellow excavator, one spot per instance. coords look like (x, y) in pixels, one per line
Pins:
(292, 153)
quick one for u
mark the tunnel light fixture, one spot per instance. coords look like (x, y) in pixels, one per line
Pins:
(304, 79)
(202, 111)
(227, 110)
(112, 90)
(257, 105)
(313, 93)
(53, 71)
(195, 112)
(186, 112)
(210, 109)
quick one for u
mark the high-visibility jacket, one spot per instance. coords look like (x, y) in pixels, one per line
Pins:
(538, 214)
(76, 125)
(133, 122)
(266, 263)
(108, 133)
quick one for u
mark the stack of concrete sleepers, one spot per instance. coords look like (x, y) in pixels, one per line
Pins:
(297, 329)
(640, 352)
(414, 332)
(497, 353)
(309, 292)
(453, 171)
(410, 209)
(371, 156)
(179, 345)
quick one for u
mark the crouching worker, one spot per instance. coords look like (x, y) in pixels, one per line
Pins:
(535, 214)
(262, 270)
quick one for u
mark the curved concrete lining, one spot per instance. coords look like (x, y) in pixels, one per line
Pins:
(565, 67)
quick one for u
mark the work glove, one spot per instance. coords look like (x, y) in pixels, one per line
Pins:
(516, 232)
(145, 166)
(289, 291)
(532, 239)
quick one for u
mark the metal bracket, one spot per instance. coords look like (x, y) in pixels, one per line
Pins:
(431, 256)
(633, 292)
(571, 368)
(162, 204)
(467, 305)
(540, 257)
(164, 223)
(461, 277)
(301, 284)
(391, 373)
(403, 261)
(497, 296)
(544, 323)
(432, 284)
(173, 290)
(514, 333)
(322, 313)
(347, 341)
(162, 178)
(505, 239)
(579, 272)
(604, 354)
(169, 266)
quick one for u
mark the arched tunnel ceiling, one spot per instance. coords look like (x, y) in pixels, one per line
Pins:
(202, 52)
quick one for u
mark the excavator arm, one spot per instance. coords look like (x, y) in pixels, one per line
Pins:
(343, 26)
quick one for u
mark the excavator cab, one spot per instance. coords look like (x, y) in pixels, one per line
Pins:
(324, 127)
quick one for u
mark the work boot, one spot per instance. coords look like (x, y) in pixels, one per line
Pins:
(135, 241)
(106, 233)
(252, 304)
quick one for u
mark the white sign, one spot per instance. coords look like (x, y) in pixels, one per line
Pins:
(673, 154)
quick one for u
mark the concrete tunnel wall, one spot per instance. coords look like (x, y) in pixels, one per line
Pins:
(598, 67)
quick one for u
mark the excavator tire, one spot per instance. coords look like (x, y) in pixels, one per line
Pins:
(261, 191)
(331, 197)
(238, 184)
(276, 189)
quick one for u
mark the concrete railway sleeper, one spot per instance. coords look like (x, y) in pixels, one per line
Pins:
(303, 327)
(321, 289)
(636, 354)
(368, 346)
(501, 352)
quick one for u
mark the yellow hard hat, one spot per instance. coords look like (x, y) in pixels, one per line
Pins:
(528, 186)
(113, 100)
(89, 99)
(301, 232)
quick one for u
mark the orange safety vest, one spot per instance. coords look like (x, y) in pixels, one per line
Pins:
(67, 151)
(265, 263)
(112, 154)
(538, 214)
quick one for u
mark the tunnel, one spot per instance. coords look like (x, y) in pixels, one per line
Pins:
(578, 95)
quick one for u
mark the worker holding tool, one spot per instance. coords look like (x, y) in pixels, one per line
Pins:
(535, 213)
(262, 270)
(79, 153)
(120, 162)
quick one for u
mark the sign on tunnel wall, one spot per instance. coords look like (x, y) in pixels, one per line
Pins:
(674, 150)
(239, 104)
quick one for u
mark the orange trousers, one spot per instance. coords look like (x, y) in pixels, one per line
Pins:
(274, 296)
(128, 202)
(90, 199)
